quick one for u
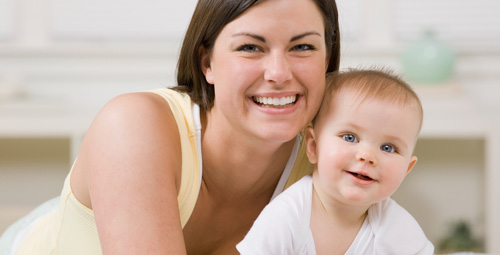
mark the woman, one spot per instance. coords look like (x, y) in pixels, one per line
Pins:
(165, 172)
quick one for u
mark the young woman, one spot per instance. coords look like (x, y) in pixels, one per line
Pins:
(188, 170)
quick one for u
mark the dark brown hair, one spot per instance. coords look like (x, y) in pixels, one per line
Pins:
(209, 18)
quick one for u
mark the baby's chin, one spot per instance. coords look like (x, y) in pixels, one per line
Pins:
(354, 198)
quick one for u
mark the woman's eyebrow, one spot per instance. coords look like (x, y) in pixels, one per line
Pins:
(262, 39)
(257, 37)
(297, 37)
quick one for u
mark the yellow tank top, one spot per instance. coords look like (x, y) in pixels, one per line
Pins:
(72, 230)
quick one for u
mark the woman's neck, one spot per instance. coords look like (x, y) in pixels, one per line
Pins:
(240, 165)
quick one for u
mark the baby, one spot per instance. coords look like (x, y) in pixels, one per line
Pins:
(361, 144)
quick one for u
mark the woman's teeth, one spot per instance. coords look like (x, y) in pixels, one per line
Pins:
(275, 101)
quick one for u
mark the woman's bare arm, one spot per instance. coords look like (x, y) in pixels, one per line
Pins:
(130, 161)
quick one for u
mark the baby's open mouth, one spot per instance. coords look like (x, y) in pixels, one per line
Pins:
(360, 176)
(276, 102)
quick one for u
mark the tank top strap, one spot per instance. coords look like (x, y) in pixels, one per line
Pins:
(288, 168)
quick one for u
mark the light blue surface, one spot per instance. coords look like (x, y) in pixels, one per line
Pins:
(8, 238)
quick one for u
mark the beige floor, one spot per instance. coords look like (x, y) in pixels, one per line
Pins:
(31, 172)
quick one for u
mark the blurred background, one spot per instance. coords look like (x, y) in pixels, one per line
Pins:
(60, 61)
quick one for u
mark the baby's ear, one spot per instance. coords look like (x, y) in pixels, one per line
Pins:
(413, 161)
(310, 140)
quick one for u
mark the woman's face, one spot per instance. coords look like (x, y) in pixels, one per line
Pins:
(268, 68)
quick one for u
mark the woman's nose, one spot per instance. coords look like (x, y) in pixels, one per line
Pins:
(277, 69)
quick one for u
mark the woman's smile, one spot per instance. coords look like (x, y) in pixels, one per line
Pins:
(275, 102)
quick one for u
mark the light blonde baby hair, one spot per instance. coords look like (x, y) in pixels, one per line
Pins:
(376, 83)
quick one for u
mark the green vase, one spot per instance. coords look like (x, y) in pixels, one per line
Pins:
(428, 60)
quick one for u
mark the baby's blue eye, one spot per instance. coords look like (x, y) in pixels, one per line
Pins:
(350, 138)
(387, 148)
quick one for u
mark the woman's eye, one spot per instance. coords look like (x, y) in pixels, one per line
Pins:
(350, 138)
(248, 48)
(387, 148)
(304, 47)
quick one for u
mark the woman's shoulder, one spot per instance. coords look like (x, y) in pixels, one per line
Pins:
(137, 102)
(133, 132)
(135, 118)
(159, 104)
(146, 110)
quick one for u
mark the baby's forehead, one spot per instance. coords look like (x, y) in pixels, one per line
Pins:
(357, 96)
(352, 98)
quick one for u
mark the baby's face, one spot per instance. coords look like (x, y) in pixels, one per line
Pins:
(364, 148)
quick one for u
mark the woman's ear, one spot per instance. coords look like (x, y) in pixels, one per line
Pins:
(205, 64)
(311, 145)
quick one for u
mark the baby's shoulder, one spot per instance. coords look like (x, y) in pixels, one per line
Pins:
(396, 230)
